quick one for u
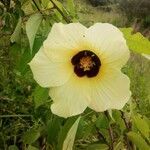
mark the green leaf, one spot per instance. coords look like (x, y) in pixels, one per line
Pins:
(71, 7)
(110, 114)
(27, 7)
(142, 125)
(32, 26)
(85, 129)
(64, 131)
(12, 147)
(64, 12)
(102, 122)
(40, 96)
(119, 121)
(97, 147)
(53, 129)
(47, 4)
(58, 15)
(16, 36)
(136, 42)
(31, 136)
(38, 42)
(22, 64)
(119, 145)
(30, 147)
(138, 140)
(69, 141)
(58, 4)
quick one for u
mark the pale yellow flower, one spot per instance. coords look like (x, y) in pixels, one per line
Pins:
(83, 68)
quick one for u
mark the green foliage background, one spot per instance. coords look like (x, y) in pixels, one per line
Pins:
(26, 121)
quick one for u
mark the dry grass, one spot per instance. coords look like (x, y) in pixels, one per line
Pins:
(89, 14)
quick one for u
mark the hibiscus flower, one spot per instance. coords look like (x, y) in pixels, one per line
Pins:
(82, 68)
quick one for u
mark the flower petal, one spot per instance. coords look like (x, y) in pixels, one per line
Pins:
(64, 40)
(110, 43)
(112, 92)
(72, 98)
(48, 73)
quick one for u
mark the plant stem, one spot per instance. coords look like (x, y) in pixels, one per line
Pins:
(36, 6)
(41, 12)
(100, 136)
(128, 126)
(110, 132)
(125, 121)
(59, 10)
(111, 137)
(8, 116)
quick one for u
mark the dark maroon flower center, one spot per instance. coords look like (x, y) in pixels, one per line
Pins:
(86, 63)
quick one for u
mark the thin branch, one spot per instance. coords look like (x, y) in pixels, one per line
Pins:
(110, 132)
(125, 121)
(9, 116)
(41, 12)
(111, 137)
(128, 127)
(100, 136)
(59, 10)
(36, 6)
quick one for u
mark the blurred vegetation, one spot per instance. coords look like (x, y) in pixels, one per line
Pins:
(26, 121)
(137, 11)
